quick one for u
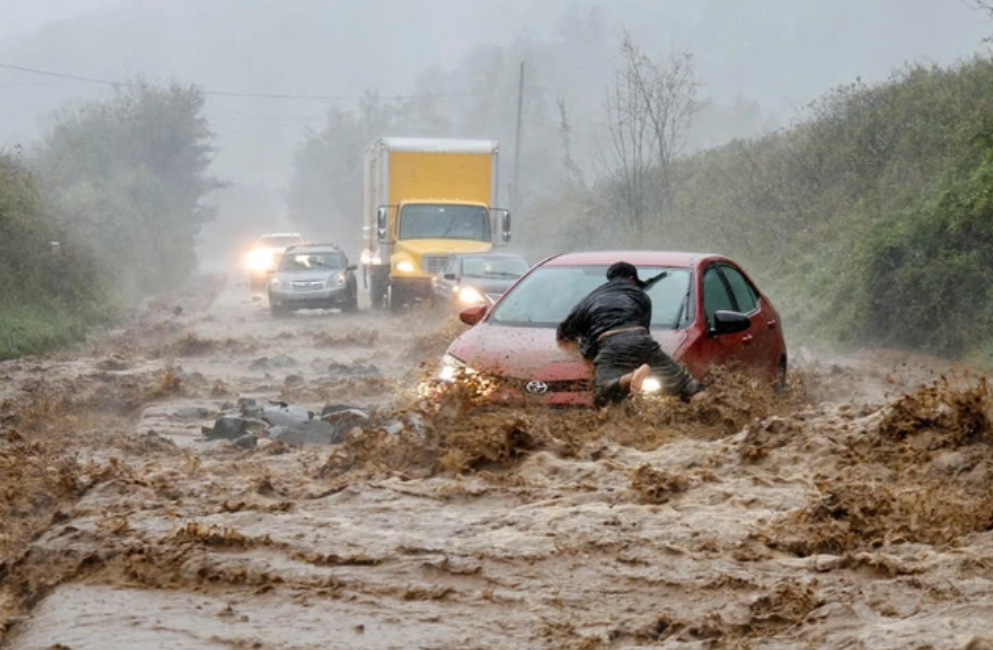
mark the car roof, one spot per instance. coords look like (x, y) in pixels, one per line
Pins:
(637, 257)
(316, 248)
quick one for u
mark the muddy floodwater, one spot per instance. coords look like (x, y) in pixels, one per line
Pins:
(855, 512)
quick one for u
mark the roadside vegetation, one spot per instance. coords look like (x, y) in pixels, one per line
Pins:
(102, 213)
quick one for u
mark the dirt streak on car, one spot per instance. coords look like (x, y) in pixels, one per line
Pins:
(706, 311)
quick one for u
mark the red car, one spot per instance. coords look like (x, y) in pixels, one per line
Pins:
(706, 312)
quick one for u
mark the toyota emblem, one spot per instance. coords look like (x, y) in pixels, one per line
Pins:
(536, 387)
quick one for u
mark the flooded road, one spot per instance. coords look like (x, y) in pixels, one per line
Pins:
(854, 513)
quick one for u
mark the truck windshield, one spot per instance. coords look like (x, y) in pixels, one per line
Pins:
(426, 221)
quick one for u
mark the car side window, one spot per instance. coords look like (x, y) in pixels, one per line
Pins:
(744, 293)
(715, 294)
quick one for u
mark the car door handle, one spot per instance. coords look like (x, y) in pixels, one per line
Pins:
(747, 339)
(771, 323)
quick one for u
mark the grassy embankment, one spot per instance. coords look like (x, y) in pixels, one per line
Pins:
(870, 222)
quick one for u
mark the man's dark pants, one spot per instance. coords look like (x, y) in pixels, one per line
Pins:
(623, 353)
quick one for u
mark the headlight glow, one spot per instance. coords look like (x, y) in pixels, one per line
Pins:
(275, 283)
(260, 260)
(471, 295)
(450, 366)
(341, 279)
(367, 258)
(405, 266)
(651, 385)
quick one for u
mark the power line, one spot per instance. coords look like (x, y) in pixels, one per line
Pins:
(226, 93)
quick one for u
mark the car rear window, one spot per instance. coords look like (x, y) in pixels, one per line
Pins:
(546, 296)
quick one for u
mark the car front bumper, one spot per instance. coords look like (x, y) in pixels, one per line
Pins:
(301, 297)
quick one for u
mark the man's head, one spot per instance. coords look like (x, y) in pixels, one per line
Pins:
(626, 271)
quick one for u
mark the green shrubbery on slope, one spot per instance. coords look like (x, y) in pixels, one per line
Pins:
(871, 222)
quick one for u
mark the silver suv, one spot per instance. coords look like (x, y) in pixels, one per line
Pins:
(313, 276)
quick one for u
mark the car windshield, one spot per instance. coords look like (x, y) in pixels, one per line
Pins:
(299, 262)
(493, 266)
(281, 241)
(445, 222)
(546, 296)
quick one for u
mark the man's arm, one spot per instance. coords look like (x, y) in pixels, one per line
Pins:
(574, 324)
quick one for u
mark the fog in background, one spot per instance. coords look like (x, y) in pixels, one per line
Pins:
(763, 60)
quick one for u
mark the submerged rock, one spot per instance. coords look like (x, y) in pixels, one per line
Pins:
(312, 432)
(193, 413)
(283, 414)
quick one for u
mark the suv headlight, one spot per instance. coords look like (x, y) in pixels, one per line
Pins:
(340, 279)
(275, 283)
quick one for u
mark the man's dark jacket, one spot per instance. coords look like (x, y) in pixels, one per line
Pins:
(616, 304)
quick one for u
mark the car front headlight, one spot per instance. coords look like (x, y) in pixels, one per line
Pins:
(259, 260)
(340, 279)
(450, 367)
(651, 386)
(471, 295)
(275, 283)
(405, 266)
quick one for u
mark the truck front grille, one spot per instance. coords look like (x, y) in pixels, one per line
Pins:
(433, 264)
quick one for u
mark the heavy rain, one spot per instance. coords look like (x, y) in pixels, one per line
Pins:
(282, 354)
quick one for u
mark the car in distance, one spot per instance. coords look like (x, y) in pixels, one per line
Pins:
(471, 279)
(264, 255)
(706, 311)
(313, 277)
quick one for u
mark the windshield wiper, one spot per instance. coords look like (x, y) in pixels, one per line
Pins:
(682, 307)
(501, 274)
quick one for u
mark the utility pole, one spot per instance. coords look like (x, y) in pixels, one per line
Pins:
(514, 191)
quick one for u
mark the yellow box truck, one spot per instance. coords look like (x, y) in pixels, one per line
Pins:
(424, 201)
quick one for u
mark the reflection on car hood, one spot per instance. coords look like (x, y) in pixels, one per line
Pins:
(531, 352)
(306, 276)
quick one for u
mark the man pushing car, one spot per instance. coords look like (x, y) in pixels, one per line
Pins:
(612, 326)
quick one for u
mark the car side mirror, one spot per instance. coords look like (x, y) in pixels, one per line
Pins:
(505, 229)
(351, 267)
(381, 219)
(729, 322)
(449, 276)
(472, 315)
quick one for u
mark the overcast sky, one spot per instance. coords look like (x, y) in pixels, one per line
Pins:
(780, 53)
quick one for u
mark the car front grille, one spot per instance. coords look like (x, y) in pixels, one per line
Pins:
(307, 286)
(571, 386)
(432, 264)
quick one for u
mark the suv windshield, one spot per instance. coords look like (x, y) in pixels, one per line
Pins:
(445, 222)
(293, 262)
(546, 296)
(493, 266)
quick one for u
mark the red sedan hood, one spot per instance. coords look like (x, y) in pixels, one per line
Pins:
(531, 352)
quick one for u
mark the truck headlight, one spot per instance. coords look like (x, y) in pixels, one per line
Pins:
(471, 295)
(405, 266)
